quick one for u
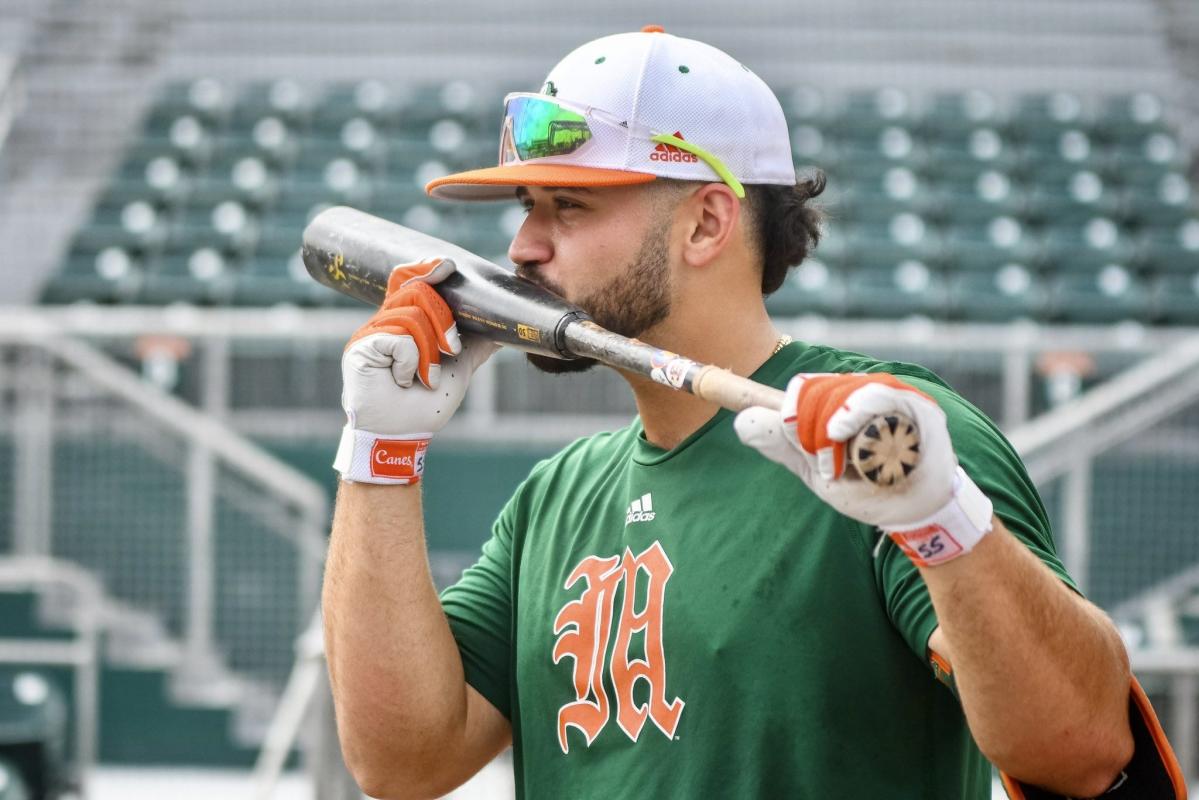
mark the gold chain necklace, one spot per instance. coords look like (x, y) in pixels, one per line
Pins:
(783, 341)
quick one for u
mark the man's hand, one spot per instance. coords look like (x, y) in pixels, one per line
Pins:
(934, 515)
(390, 418)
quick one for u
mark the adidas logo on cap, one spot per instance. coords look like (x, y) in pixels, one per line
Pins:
(640, 510)
(669, 152)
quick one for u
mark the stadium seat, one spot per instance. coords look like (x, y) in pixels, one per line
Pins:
(371, 99)
(1110, 294)
(904, 237)
(1041, 115)
(1086, 246)
(908, 288)
(229, 227)
(955, 114)
(989, 243)
(814, 148)
(1129, 117)
(811, 288)
(33, 731)
(1008, 292)
(285, 98)
(1070, 197)
(806, 104)
(203, 276)
(1168, 202)
(992, 194)
(272, 278)
(1176, 299)
(1170, 248)
(205, 98)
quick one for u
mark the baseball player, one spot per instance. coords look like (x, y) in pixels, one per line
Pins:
(702, 604)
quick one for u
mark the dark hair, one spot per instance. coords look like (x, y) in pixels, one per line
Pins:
(785, 226)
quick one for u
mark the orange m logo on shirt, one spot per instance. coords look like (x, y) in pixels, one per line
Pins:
(585, 626)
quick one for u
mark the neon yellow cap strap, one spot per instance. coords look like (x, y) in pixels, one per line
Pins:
(712, 161)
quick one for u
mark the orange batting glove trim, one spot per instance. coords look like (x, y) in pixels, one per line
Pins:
(414, 308)
(820, 397)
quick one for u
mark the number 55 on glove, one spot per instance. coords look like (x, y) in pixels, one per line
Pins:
(935, 514)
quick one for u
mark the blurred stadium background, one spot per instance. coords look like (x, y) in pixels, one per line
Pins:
(1013, 202)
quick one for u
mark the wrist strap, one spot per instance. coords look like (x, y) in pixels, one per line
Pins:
(365, 457)
(951, 532)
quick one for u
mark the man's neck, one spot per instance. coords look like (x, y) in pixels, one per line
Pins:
(670, 416)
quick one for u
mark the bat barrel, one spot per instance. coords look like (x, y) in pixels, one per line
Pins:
(354, 253)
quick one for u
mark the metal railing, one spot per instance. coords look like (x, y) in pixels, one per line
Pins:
(86, 433)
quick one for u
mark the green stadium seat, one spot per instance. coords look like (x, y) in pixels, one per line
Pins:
(12, 783)
(958, 161)
(908, 288)
(1070, 198)
(249, 182)
(811, 288)
(1130, 117)
(34, 729)
(1171, 248)
(1005, 293)
(229, 227)
(1040, 115)
(1086, 246)
(954, 115)
(1148, 157)
(886, 105)
(205, 98)
(270, 279)
(814, 148)
(989, 243)
(202, 276)
(806, 105)
(341, 183)
(898, 191)
(391, 199)
(1110, 294)
(1170, 201)
(285, 98)
(109, 276)
(464, 101)
(905, 237)
(1176, 298)
(993, 194)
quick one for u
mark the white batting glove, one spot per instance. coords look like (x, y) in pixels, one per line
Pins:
(391, 417)
(934, 514)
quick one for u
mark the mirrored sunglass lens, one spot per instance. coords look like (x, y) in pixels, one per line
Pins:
(541, 128)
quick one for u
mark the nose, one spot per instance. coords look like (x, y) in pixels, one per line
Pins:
(531, 244)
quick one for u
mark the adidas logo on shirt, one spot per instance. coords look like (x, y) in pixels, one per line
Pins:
(640, 510)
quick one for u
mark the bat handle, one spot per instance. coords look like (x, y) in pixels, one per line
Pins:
(884, 452)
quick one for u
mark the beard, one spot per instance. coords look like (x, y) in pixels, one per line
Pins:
(629, 304)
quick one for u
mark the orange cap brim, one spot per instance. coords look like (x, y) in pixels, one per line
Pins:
(499, 183)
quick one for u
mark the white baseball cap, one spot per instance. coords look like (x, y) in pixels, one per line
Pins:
(628, 108)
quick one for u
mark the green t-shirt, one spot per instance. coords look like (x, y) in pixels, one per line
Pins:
(696, 623)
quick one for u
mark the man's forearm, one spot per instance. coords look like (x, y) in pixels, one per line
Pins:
(393, 664)
(1042, 674)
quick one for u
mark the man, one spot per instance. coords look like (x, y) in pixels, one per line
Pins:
(661, 611)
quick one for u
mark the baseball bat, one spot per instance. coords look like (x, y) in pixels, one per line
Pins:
(354, 252)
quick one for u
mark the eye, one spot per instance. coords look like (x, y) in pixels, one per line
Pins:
(565, 203)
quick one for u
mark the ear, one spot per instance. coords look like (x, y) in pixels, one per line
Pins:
(711, 214)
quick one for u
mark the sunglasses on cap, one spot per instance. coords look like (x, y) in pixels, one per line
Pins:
(537, 126)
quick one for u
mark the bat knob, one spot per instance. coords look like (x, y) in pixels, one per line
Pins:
(887, 450)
